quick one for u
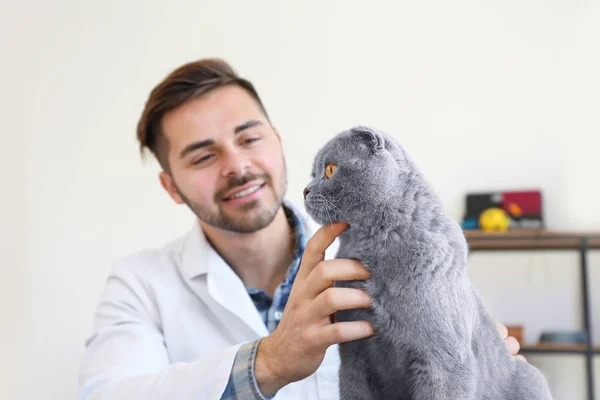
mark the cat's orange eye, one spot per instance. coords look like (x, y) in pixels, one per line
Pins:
(329, 170)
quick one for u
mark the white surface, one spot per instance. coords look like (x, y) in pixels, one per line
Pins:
(496, 96)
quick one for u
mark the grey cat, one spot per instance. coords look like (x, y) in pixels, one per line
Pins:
(434, 339)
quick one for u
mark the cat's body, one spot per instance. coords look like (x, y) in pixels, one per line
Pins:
(434, 339)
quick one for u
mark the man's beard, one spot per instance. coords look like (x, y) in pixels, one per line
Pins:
(247, 223)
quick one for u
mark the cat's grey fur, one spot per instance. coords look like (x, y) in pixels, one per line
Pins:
(434, 339)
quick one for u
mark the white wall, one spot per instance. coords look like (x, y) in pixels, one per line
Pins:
(485, 95)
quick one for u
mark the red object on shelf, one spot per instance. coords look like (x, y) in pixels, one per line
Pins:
(529, 203)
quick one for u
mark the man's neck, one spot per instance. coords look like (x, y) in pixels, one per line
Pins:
(261, 259)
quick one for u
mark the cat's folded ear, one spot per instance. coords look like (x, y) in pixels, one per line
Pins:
(374, 141)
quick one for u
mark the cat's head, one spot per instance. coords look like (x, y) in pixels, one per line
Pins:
(355, 171)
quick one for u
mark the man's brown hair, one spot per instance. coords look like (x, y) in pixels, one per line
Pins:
(187, 82)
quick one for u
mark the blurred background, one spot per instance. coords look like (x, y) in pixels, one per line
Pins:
(485, 95)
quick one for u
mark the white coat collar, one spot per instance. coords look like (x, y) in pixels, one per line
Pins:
(203, 268)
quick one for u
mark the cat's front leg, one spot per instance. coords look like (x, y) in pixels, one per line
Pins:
(354, 384)
(429, 380)
(354, 376)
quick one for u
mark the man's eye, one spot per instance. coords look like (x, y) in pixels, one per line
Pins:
(250, 140)
(203, 159)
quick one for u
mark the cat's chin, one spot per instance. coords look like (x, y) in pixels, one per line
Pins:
(316, 214)
(317, 218)
(324, 219)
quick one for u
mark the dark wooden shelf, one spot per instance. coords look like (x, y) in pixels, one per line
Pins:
(555, 348)
(533, 239)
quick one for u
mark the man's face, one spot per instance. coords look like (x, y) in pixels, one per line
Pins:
(226, 160)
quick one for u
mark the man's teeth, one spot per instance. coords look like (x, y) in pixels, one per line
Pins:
(245, 192)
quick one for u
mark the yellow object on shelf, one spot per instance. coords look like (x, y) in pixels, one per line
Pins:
(494, 219)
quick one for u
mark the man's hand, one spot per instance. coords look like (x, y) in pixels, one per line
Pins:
(512, 345)
(297, 347)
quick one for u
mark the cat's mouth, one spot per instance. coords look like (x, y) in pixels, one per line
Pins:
(321, 211)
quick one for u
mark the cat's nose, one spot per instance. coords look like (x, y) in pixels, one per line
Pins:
(306, 192)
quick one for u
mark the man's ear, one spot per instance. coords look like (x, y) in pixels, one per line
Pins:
(277, 133)
(369, 138)
(167, 183)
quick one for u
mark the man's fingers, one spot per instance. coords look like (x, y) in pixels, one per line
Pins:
(326, 272)
(316, 246)
(512, 345)
(346, 331)
(335, 299)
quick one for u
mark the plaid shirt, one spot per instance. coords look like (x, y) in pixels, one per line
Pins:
(242, 382)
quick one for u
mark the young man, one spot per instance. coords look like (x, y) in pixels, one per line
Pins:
(238, 308)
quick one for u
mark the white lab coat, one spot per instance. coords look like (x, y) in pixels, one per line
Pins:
(169, 324)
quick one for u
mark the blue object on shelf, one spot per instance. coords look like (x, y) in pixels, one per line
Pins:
(565, 337)
(470, 223)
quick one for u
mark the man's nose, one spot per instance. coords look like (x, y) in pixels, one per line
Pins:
(306, 192)
(235, 164)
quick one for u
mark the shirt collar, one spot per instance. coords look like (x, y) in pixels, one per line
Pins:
(299, 228)
(197, 255)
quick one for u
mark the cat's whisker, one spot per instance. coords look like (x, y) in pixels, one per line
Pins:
(332, 206)
(337, 208)
(294, 232)
(328, 216)
(323, 209)
(305, 216)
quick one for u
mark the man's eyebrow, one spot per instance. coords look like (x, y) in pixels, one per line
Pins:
(246, 125)
(195, 146)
